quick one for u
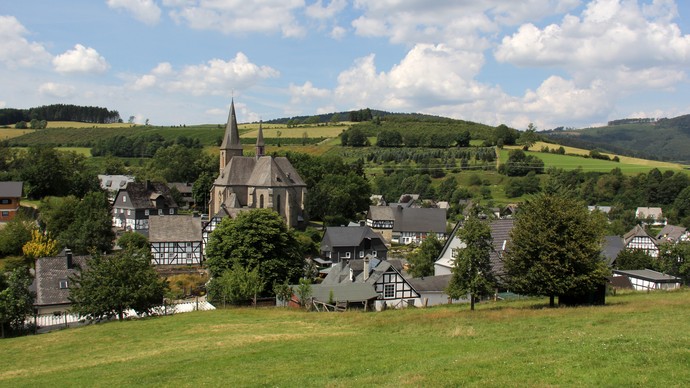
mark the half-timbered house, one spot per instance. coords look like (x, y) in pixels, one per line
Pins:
(638, 238)
(384, 276)
(134, 204)
(175, 240)
(352, 242)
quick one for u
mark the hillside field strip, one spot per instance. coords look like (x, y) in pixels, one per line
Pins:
(637, 339)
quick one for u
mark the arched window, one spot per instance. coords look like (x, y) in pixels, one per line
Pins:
(261, 201)
(278, 204)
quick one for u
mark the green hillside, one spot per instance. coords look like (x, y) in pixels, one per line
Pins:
(666, 139)
(635, 340)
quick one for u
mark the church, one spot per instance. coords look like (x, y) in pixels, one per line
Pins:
(253, 182)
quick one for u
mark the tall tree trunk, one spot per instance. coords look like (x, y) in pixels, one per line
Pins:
(552, 301)
(472, 302)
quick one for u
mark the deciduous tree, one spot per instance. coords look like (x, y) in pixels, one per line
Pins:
(423, 258)
(16, 300)
(472, 273)
(114, 284)
(555, 248)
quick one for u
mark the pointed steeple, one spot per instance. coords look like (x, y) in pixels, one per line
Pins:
(260, 146)
(231, 145)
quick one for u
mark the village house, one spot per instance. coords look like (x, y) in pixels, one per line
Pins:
(407, 225)
(650, 215)
(672, 234)
(175, 240)
(352, 242)
(383, 277)
(255, 182)
(638, 238)
(10, 197)
(137, 201)
(113, 183)
(51, 281)
(185, 190)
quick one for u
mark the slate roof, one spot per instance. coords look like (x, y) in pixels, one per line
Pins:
(340, 273)
(347, 236)
(174, 228)
(430, 283)
(648, 274)
(114, 182)
(671, 233)
(419, 220)
(49, 272)
(265, 171)
(11, 189)
(653, 212)
(344, 292)
(378, 213)
(182, 187)
(231, 138)
(140, 194)
(613, 245)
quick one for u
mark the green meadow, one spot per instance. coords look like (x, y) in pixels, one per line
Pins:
(637, 339)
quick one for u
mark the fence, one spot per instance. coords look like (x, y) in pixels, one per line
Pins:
(49, 322)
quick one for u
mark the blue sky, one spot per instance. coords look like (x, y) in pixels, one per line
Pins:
(570, 63)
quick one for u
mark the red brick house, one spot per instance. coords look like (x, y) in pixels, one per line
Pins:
(10, 195)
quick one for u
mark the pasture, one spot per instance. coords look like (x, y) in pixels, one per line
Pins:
(637, 339)
(9, 133)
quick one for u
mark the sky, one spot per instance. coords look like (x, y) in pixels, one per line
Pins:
(570, 63)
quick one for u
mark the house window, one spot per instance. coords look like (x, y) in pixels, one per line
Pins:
(124, 198)
(389, 291)
(129, 212)
(5, 201)
(375, 253)
(63, 284)
(172, 211)
(146, 212)
(160, 212)
(361, 254)
(328, 254)
(347, 255)
(5, 214)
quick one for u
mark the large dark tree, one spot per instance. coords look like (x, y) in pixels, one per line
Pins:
(555, 248)
(472, 273)
(114, 284)
(339, 198)
(256, 238)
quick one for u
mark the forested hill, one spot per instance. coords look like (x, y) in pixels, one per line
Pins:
(665, 139)
(60, 112)
(354, 115)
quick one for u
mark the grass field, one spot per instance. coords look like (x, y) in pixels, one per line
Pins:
(569, 162)
(9, 133)
(77, 124)
(635, 340)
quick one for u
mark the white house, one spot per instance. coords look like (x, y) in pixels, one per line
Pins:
(646, 279)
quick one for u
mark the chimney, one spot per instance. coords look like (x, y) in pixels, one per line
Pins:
(68, 255)
(366, 267)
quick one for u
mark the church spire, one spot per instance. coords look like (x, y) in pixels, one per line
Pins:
(231, 145)
(260, 147)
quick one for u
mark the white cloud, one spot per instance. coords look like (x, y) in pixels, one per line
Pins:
(338, 32)
(216, 77)
(146, 11)
(235, 16)
(80, 60)
(15, 50)
(307, 93)
(608, 33)
(318, 11)
(55, 90)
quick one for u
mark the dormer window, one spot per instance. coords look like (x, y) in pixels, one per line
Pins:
(124, 198)
(63, 284)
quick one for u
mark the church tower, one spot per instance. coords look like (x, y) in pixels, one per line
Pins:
(231, 145)
(260, 146)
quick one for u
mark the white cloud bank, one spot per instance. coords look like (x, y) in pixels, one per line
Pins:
(146, 11)
(80, 60)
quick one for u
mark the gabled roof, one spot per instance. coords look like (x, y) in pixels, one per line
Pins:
(49, 272)
(637, 231)
(236, 172)
(140, 194)
(182, 187)
(419, 220)
(265, 171)
(11, 189)
(344, 292)
(381, 213)
(671, 233)
(174, 228)
(114, 182)
(647, 212)
(340, 273)
(347, 236)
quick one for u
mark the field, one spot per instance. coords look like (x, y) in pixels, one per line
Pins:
(570, 162)
(77, 124)
(9, 133)
(637, 339)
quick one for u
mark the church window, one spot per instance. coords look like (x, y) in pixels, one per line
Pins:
(261, 201)
(278, 204)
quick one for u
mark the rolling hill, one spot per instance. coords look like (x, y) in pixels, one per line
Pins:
(665, 139)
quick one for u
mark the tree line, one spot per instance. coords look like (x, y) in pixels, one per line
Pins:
(60, 112)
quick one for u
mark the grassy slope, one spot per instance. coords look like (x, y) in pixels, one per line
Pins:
(637, 339)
